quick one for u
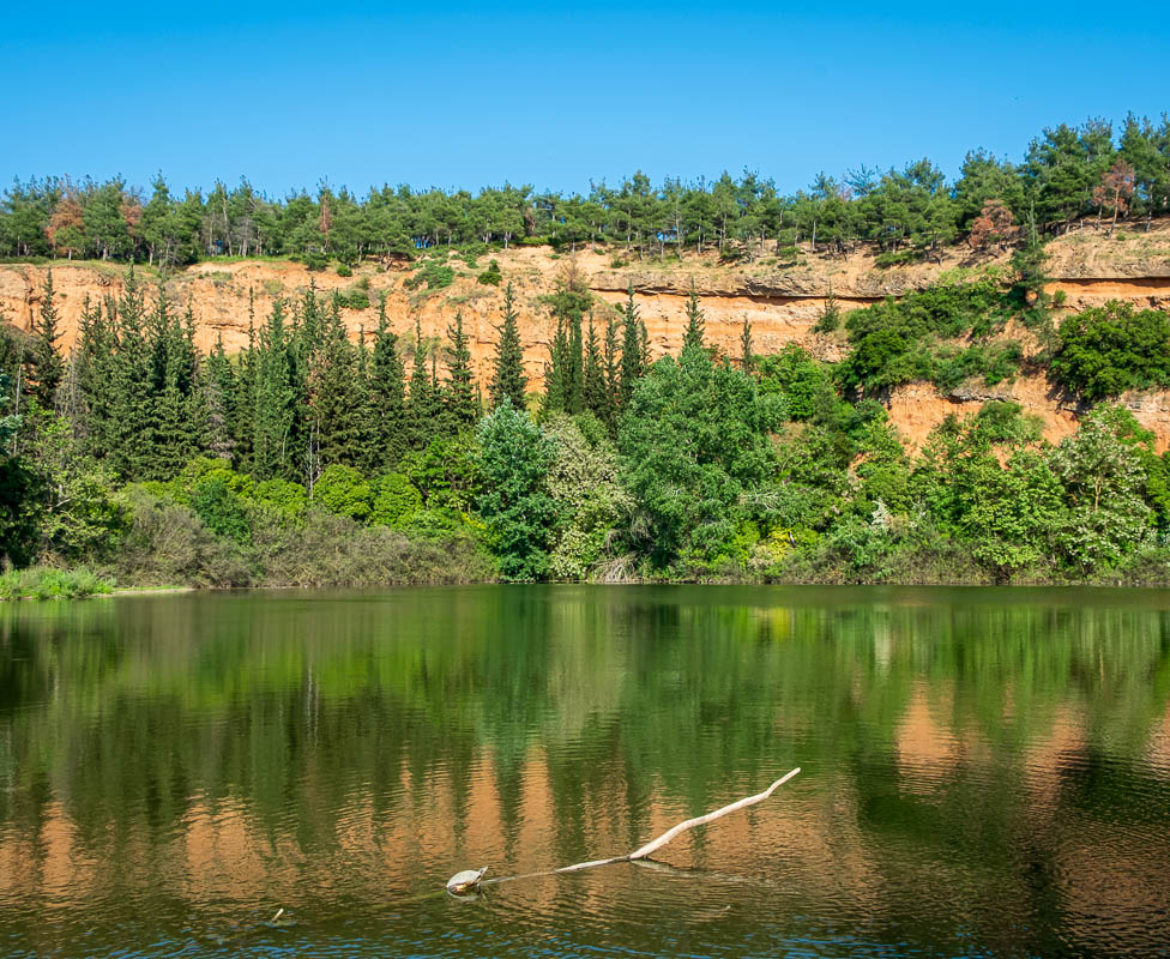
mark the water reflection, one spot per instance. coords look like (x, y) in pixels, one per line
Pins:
(986, 772)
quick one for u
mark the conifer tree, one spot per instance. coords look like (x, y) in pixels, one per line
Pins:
(95, 362)
(44, 365)
(335, 398)
(132, 403)
(423, 407)
(388, 394)
(556, 369)
(632, 349)
(693, 337)
(174, 423)
(369, 450)
(747, 359)
(460, 401)
(244, 399)
(509, 381)
(219, 386)
(595, 390)
(613, 379)
(276, 401)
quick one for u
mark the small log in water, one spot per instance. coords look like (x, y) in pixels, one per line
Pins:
(655, 844)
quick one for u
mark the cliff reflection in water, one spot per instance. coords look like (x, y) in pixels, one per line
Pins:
(982, 769)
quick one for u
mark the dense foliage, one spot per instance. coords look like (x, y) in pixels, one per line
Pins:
(309, 459)
(1068, 174)
(1107, 350)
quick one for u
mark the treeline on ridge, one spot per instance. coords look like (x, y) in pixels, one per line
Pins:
(1068, 174)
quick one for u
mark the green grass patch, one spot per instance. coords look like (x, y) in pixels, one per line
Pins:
(45, 582)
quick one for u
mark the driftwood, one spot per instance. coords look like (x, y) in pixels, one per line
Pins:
(653, 846)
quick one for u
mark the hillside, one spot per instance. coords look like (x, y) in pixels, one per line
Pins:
(781, 301)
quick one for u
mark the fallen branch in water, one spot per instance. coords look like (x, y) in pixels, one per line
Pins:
(643, 851)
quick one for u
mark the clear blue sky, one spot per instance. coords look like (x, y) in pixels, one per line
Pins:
(466, 95)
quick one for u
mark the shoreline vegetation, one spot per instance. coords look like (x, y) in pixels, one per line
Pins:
(310, 460)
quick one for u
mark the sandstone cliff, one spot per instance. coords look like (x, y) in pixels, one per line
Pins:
(782, 302)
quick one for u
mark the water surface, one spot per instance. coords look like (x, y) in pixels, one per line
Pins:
(986, 772)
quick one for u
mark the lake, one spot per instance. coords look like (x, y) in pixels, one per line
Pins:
(985, 772)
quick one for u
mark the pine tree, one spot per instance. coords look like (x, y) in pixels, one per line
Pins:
(460, 401)
(556, 370)
(96, 362)
(388, 394)
(423, 408)
(595, 391)
(613, 381)
(132, 400)
(632, 349)
(575, 392)
(509, 381)
(747, 359)
(564, 380)
(174, 420)
(44, 364)
(693, 337)
(219, 386)
(274, 420)
(335, 399)
(369, 449)
(243, 409)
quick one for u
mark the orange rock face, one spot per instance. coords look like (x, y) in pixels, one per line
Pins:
(783, 303)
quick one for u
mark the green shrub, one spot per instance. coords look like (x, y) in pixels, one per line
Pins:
(1107, 350)
(316, 262)
(168, 545)
(343, 491)
(901, 258)
(895, 341)
(491, 276)
(432, 275)
(994, 362)
(281, 496)
(396, 501)
(344, 270)
(221, 510)
(355, 298)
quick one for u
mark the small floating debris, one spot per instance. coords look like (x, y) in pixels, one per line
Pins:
(469, 880)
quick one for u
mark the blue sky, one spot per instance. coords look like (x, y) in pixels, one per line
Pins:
(466, 95)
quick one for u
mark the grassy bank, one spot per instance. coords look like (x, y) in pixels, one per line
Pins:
(44, 582)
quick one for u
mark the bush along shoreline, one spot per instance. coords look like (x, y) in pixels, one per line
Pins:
(310, 460)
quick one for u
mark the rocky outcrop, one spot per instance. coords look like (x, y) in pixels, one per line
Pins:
(781, 301)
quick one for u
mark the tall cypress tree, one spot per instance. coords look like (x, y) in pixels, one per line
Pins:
(423, 408)
(613, 376)
(388, 394)
(335, 398)
(219, 386)
(175, 436)
(174, 420)
(44, 364)
(96, 362)
(556, 371)
(747, 358)
(369, 455)
(274, 420)
(132, 404)
(693, 337)
(460, 401)
(509, 381)
(595, 391)
(244, 400)
(632, 349)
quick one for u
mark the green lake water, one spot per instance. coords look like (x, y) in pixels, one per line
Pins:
(985, 772)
